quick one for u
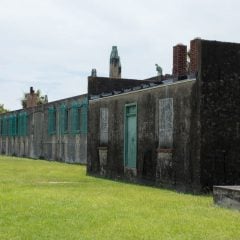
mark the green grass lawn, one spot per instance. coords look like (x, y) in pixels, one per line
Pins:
(49, 200)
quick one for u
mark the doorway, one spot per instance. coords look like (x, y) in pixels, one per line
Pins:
(130, 136)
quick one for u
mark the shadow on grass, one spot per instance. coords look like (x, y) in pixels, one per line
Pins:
(148, 183)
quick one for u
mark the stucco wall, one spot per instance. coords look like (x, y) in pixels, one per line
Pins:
(220, 113)
(174, 165)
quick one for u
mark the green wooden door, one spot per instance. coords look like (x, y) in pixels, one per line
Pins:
(130, 137)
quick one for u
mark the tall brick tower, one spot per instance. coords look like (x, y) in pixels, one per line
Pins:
(115, 64)
(194, 55)
(180, 61)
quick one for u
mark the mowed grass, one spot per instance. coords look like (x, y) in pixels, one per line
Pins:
(50, 200)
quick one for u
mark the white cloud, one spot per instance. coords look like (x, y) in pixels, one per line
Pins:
(54, 44)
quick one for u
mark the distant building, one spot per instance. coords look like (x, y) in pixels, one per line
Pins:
(54, 131)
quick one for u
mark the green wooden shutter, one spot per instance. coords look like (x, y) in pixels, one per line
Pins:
(63, 119)
(8, 126)
(51, 120)
(10, 123)
(84, 119)
(5, 127)
(79, 117)
(14, 125)
(25, 123)
(84, 115)
(20, 124)
(73, 117)
(0, 126)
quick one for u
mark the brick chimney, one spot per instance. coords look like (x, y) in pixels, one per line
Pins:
(31, 98)
(194, 56)
(180, 61)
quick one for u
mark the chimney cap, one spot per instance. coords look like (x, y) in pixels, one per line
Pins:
(180, 45)
(31, 90)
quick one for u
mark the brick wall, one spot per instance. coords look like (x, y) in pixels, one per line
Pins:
(31, 100)
(194, 56)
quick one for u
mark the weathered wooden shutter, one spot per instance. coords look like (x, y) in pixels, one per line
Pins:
(61, 119)
(14, 125)
(10, 123)
(74, 117)
(65, 120)
(20, 124)
(5, 126)
(79, 117)
(51, 120)
(25, 124)
(0, 126)
(84, 119)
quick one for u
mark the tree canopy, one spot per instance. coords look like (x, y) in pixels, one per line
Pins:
(2, 109)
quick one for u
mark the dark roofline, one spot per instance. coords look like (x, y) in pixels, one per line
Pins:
(132, 90)
(45, 104)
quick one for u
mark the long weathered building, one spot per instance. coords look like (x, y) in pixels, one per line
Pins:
(180, 130)
(182, 134)
(53, 131)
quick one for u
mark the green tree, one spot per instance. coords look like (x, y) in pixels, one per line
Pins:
(2, 109)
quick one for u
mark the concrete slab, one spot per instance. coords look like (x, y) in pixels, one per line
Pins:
(227, 196)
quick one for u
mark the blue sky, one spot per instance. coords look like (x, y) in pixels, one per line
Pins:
(52, 45)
